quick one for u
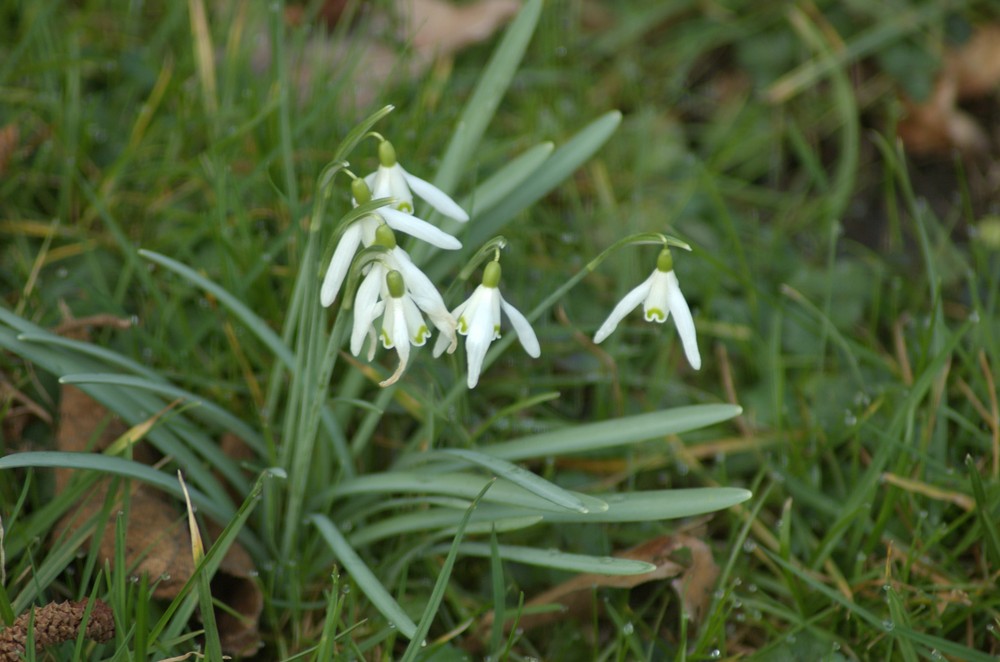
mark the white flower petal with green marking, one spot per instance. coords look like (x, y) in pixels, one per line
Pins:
(362, 233)
(660, 296)
(391, 180)
(478, 319)
(402, 323)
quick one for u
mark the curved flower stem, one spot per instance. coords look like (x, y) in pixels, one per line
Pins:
(501, 345)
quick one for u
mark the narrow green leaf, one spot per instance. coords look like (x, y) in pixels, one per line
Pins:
(455, 484)
(655, 505)
(365, 578)
(117, 466)
(208, 411)
(554, 558)
(566, 160)
(437, 520)
(520, 476)
(490, 89)
(612, 433)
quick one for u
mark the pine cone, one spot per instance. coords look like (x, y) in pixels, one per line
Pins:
(55, 623)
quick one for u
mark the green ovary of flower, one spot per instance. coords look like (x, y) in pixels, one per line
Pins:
(384, 236)
(360, 191)
(491, 275)
(394, 282)
(664, 262)
(386, 154)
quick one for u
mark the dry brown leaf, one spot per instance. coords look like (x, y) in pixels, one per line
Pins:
(9, 138)
(938, 125)
(428, 29)
(436, 27)
(693, 583)
(157, 541)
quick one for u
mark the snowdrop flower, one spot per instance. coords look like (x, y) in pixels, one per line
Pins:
(362, 232)
(479, 320)
(372, 294)
(392, 181)
(402, 324)
(660, 296)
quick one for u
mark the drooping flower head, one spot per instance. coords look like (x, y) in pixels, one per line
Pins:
(372, 293)
(362, 233)
(478, 319)
(392, 181)
(660, 296)
(402, 324)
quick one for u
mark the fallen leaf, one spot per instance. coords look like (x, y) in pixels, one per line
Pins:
(9, 138)
(157, 541)
(939, 126)
(694, 586)
(436, 27)
(693, 583)
(405, 42)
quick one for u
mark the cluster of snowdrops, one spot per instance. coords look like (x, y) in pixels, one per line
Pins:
(394, 289)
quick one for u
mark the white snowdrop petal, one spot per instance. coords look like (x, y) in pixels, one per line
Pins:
(478, 340)
(525, 334)
(419, 228)
(624, 307)
(340, 263)
(435, 197)
(655, 306)
(683, 321)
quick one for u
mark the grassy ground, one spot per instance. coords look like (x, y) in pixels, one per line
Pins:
(852, 314)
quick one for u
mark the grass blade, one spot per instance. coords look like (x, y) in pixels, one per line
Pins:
(364, 577)
(441, 585)
(256, 325)
(984, 511)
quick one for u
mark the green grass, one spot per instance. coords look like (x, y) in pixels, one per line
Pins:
(202, 203)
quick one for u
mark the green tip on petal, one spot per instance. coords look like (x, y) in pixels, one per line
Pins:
(394, 281)
(665, 262)
(384, 236)
(360, 191)
(386, 154)
(491, 275)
